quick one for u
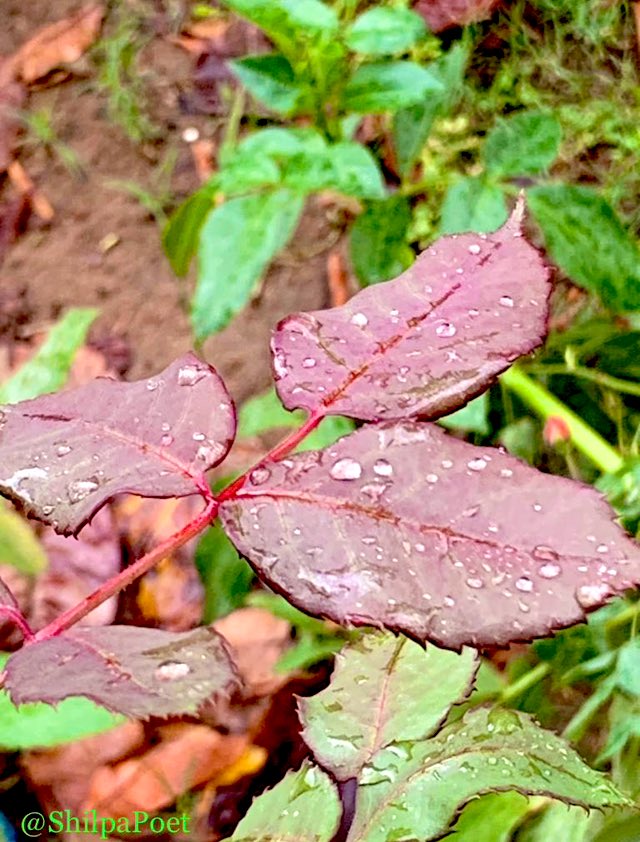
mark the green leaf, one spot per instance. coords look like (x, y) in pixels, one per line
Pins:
(239, 240)
(227, 578)
(48, 369)
(558, 822)
(19, 546)
(382, 31)
(385, 693)
(271, 80)
(472, 204)
(378, 240)
(491, 818)
(524, 144)
(347, 167)
(285, 21)
(389, 85)
(412, 125)
(522, 438)
(473, 418)
(182, 232)
(585, 237)
(419, 792)
(303, 807)
(38, 725)
(265, 412)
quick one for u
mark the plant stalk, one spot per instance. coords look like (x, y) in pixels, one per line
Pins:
(541, 401)
(16, 617)
(128, 575)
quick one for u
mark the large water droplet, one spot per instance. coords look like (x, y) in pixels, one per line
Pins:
(359, 320)
(549, 570)
(590, 595)
(189, 375)
(172, 671)
(346, 469)
(477, 464)
(506, 301)
(81, 488)
(382, 468)
(432, 478)
(524, 584)
(259, 476)
(446, 329)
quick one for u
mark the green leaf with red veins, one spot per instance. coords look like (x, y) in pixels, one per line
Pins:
(403, 526)
(425, 343)
(385, 690)
(64, 456)
(135, 671)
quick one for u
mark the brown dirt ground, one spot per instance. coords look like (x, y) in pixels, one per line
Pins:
(62, 265)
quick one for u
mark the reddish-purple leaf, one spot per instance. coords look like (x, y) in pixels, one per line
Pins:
(404, 526)
(442, 14)
(135, 671)
(425, 343)
(63, 456)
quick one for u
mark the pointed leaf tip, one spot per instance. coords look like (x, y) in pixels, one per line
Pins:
(63, 456)
(425, 343)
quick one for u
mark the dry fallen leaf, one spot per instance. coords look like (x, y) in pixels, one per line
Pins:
(58, 44)
(191, 756)
(442, 14)
(12, 97)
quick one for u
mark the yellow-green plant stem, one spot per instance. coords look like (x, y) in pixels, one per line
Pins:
(525, 682)
(603, 455)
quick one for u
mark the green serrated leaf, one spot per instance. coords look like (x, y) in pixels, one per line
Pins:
(473, 418)
(412, 125)
(19, 546)
(385, 693)
(227, 578)
(418, 794)
(182, 232)
(239, 239)
(384, 31)
(38, 725)
(303, 807)
(271, 80)
(526, 143)
(491, 818)
(49, 368)
(587, 240)
(389, 85)
(378, 240)
(472, 204)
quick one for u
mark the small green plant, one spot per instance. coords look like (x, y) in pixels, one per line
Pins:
(158, 195)
(40, 131)
(330, 69)
(119, 78)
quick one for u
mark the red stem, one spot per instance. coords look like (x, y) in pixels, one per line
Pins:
(148, 561)
(282, 449)
(129, 575)
(16, 616)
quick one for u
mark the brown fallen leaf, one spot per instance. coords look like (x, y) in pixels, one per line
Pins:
(61, 776)
(25, 186)
(58, 44)
(190, 757)
(12, 97)
(13, 219)
(442, 14)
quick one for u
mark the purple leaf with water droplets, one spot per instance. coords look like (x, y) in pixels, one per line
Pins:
(425, 343)
(63, 456)
(134, 671)
(403, 526)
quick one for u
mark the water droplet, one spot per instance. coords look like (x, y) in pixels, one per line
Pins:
(449, 601)
(359, 320)
(477, 464)
(81, 488)
(474, 248)
(524, 584)
(549, 570)
(62, 449)
(544, 553)
(382, 468)
(198, 437)
(189, 375)
(475, 583)
(602, 548)
(172, 670)
(280, 364)
(166, 440)
(259, 476)
(152, 385)
(473, 312)
(46, 510)
(446, 329)
(537, 507)
(459, 270)
(506, 301)
(165, 426)
(346, 469)
(432, 478)
(506, 472)
(590, 595)
(308, 362)
(447, 463)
